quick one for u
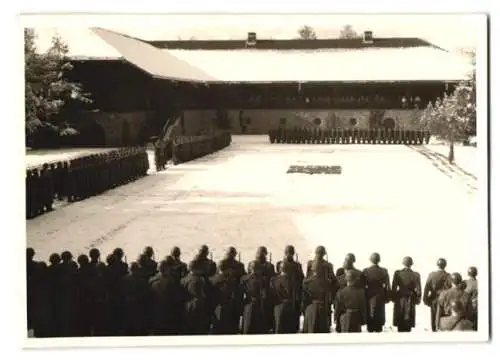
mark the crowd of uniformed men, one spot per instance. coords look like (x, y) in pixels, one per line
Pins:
(82, 177)
(112, 298)
(186, 148)
(348, 136)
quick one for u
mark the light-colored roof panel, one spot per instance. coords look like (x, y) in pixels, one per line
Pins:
(151, 59)
(374, 64)
(82, 43)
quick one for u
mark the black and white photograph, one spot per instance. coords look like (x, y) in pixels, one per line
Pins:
(255, 179)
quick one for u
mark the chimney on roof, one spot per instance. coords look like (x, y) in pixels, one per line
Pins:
(251, 39)
(368, 37)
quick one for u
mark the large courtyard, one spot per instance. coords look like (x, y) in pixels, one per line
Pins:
(393, 199)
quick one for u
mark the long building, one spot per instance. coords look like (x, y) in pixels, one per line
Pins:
(252, 85)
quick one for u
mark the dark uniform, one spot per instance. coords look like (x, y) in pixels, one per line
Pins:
(166, 300)
(148, 264)
(456, 293)
(407, 293)
(179, 268)
(378, 291)
(135, 292)
(197, 300)
(349, 261)
(84, 288)
(69, 295)
(255, 290)
(471, 288)
(115, 271)
(99, 297)
(285, 293)
(350, 305)
(316, 300)
(331, 279)
(227, 299)
(436, 283)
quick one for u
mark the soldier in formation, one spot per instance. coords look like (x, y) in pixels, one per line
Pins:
(80, 178)
(437, 282)
(354, 135)
(93, 298)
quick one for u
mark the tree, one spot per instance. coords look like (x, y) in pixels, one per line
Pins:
(47, 88)
(348, 32)
(307, 33)
(453, 117)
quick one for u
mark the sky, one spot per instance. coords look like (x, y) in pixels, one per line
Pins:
(447, 31)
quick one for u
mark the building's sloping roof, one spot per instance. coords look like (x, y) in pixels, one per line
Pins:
(362, 65)
(154, 61)
(289, 44)
(83, 43)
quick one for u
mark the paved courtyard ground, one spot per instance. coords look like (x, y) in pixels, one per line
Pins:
(393, 199)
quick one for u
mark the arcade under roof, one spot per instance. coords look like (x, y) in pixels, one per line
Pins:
(384, 60)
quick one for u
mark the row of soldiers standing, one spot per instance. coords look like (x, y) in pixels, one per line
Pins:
(172, 298)
(83, 177)
(348, 136)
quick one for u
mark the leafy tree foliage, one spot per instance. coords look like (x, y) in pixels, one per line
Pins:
(47, 89)
(453, 117)
(348, 32)
(307, 33)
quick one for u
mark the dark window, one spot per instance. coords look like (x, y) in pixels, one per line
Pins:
(353, 121)
(317, 121)
(283, 121)
(249, 121)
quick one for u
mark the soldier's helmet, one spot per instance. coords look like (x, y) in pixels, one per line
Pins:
(134, 267)
(148, 251)
(175, 252)
(456, 278)
(54, 259)
(94, 254)
(407, 261)
(472, 271)
(290, 250)
(231, 252)
(320, 251)
(30, 254)
(66, 256)
(118, 253)
(441, 263)
(45, 166)
(350, 258)
(82, 260)
(262, 250)
(203, 251)
(375, 258)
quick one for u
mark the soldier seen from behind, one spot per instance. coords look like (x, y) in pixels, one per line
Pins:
(54, 273)
(196, 305)
(406, 295)
(208, 266)
(436, 283)
(135, 292)
(255, 290)
(349, 261)
(457, 320)
(179, 268)
(167, 306)
(115, 271)
(297, 274)
(285, 294)
(227, 300)
(100, 313)
(84, 287)
(456, 293)
(316, 300)
(378, 293)
(237, 268)
(471, 288)
(350, 305)
(69, 294)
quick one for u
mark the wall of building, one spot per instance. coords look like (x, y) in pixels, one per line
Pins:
(120, 129)
(198, 122)
(261, 121)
